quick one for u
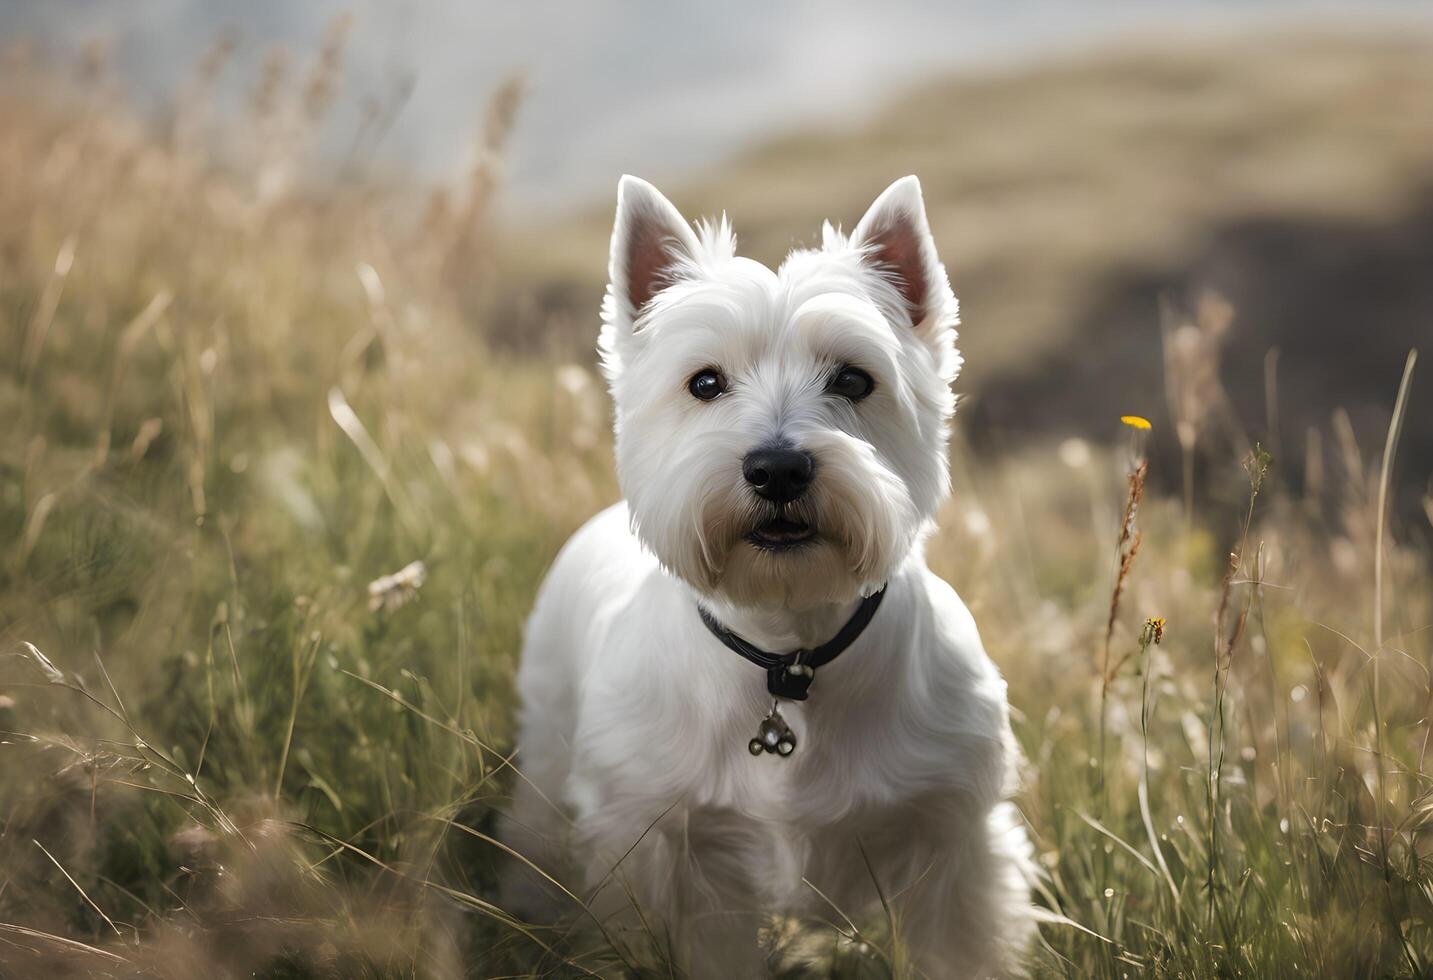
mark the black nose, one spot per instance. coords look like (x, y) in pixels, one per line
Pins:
(777, 473)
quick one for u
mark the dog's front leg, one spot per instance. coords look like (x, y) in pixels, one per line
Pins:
(948, 925)
(951, 874)
(686, 892)
(968, 914)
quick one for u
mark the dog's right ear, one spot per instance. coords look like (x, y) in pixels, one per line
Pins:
(650, 242)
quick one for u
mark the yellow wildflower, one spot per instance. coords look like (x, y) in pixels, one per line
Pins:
(1154, 629)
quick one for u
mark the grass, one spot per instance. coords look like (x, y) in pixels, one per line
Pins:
(233, 400)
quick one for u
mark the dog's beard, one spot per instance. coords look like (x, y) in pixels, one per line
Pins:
(707, 526)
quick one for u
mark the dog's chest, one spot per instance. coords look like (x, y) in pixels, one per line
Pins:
(839, 766)
(687, 741)
(790, 826)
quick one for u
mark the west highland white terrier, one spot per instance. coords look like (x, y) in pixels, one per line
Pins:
(744, 695)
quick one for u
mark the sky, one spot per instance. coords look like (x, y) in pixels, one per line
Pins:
(653, 87)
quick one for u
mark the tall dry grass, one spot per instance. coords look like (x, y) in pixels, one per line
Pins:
(245, 734)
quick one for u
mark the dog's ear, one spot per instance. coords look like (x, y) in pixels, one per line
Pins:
(649, 242)
(896, 239)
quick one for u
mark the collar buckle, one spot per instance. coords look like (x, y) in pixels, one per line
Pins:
(791, 681)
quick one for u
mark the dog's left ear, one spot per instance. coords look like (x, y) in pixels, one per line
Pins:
(896, 238)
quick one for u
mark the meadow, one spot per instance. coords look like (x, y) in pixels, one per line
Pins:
(242, 733)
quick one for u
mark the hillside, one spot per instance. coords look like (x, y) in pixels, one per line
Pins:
(1291, 174)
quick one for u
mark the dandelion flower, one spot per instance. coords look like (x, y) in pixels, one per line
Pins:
(1136, 422)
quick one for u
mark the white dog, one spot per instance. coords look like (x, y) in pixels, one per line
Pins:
(782, 445)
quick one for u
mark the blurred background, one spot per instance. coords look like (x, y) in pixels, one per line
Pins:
(298, 399)
(1097, 172)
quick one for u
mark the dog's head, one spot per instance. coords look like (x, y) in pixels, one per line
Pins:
(781, 436)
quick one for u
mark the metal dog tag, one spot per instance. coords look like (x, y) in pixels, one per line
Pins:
(774, 735)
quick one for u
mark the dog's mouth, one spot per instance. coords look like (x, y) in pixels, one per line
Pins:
(781, 533)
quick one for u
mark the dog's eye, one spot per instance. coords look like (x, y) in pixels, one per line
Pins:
(707, 384)
(851, 382)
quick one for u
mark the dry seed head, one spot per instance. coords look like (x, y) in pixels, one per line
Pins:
(94, 59)
(264, 102)
(323, 80)
(1191, 368)
(1126, 551)
(1257, 464)
(216, 56)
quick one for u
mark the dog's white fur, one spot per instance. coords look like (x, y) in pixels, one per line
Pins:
(635, 720)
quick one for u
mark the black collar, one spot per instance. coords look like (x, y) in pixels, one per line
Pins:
(789, 675)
